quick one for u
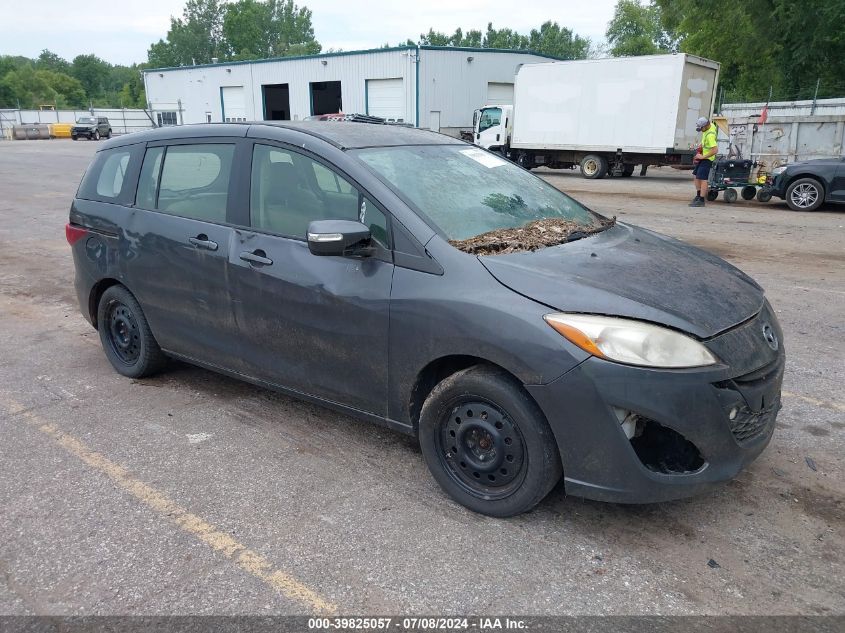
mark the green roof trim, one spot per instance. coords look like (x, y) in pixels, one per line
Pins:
(392, 49)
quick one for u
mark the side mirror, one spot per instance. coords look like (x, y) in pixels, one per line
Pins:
(344, 238)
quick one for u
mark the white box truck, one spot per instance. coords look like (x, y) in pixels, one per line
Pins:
(603, 115)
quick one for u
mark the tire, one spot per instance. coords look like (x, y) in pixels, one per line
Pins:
(125, 335)
(748, 192)
(628, 170)
(479, 413)
(97, 135)
(525, 160)
(729, 195)
(74, 138)
(763, 195)
(805, 194)
(108, 134)
(712, 194)
(593, 166)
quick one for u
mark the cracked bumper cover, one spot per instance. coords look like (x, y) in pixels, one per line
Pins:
(598, 459)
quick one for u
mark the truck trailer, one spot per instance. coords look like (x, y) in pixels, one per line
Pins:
(603, 115)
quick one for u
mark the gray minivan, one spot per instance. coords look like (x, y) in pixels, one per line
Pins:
(411, 279)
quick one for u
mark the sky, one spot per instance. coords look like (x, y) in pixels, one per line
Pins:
(121, 32)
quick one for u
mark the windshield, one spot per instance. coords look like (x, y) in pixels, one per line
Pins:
(490, 117)
(87, 120)
(467, 192)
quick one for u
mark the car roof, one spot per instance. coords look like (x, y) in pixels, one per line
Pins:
(345, 135)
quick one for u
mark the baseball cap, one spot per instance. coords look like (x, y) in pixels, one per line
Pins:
(702, 121)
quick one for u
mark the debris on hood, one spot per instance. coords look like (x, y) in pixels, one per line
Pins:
(531, 237)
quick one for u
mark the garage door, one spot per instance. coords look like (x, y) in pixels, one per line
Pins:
(499, 93)
(234, 103)
(386, 98)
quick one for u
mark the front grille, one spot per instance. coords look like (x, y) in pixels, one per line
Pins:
(749, 424)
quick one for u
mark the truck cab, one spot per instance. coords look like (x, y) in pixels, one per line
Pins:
(492, 126)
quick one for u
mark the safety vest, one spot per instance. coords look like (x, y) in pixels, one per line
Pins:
(710, 131)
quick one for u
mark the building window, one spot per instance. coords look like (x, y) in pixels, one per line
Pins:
(166, 118)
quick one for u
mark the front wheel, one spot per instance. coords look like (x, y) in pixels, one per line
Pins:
(748, 192)
(805, 194)
(97, 135)
(487, 443)
(125, 335)
(594, 166)
(74, 138)
(763, 195)
(729, 195)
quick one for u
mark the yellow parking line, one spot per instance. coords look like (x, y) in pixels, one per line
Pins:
(818, 403)
(219, 541)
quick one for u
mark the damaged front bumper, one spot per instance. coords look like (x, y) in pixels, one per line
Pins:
(689, 429)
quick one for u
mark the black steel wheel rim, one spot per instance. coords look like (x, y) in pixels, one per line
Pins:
(124, 335)
(482, 449)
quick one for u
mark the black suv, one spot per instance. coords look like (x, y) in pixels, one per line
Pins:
(368, 268)
(91, 127)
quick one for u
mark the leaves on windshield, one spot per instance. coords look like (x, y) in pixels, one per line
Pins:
(531, 237)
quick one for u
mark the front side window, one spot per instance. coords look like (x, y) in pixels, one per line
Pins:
(289, 191)
(490, 117)
(466, 192)
(192, 182)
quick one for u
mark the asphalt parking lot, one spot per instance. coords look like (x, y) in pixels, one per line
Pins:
(191, 493)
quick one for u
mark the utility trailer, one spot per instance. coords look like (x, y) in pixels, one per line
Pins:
(603, 115)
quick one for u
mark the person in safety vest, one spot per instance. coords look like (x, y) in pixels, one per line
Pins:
(703, 160)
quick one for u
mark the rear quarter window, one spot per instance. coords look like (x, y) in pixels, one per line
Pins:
(112, 175)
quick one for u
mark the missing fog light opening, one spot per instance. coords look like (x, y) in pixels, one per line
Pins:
(661, 449)
(628, 421)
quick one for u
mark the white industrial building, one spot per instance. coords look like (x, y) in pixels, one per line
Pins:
(426, 86)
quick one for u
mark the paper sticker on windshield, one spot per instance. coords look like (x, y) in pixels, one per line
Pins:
(485, 158)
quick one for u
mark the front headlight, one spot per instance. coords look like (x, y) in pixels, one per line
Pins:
(631, 342)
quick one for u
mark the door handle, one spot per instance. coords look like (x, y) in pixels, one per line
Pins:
(202, 241)
(256, 257)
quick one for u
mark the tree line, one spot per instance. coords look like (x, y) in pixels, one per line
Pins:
(51, 80)
(780, 48)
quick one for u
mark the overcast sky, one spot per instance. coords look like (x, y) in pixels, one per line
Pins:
(121, 32)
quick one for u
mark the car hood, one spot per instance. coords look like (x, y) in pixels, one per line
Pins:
(631, 272)
(85, 125)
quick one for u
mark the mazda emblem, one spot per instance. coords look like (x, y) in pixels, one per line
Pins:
(770, 336)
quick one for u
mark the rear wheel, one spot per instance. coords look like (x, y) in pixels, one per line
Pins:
(594, 166)
(712, 194)
(108, 134)
(729, 195)
(805, 194)
(125, 335)
(487, 444)
(763, 195)
(748, 192)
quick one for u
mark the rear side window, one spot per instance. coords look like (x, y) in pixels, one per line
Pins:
(108, 179)
(191, 181)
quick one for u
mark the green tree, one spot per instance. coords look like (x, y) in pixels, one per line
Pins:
(195, 38)
(765, 44)
(93, 73)
(49, 60)
(553, 39)
(271, 28)
(28, 87)
(550, 39)
(636, 29)
(69, 90)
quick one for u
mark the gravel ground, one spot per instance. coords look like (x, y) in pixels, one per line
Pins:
(191, 493)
